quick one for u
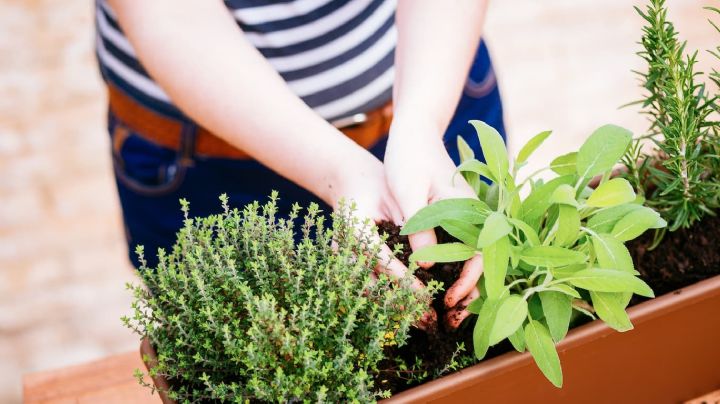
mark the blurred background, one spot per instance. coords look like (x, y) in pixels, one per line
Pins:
(562, 64)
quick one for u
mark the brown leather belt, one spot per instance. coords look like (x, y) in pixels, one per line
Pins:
(167, 132)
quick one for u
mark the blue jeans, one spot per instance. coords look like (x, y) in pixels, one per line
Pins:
(151, 179)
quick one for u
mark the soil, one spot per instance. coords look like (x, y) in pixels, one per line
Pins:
(434, 347)
(684, 257)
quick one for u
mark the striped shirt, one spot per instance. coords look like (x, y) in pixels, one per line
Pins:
(336, 55)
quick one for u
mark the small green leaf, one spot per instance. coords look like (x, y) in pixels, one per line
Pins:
(535, 307)
(535, 206)
(475, 306)
(495, 262)
(636, 223)
(551, 256)
(495, 226)
(532, 145)
(477, 167)
(492, 196)
(603, 220)
(602, 150)
(565, 164)
(563, 288)
(466, 232)
(465, 209)
(612, 253)
(557, 308)
(609, 280)
(466, 152)
(493, 147)
(543, 351)
(450, 252)
(568, 229)
(615, 192)
(530, 234)
(564, 194)
(610, 307)
(517, 339)
(485, 320)
(510, 316)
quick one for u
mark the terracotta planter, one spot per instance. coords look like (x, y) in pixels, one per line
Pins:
(146, 350)
(672, 355)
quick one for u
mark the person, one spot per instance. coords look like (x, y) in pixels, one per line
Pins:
(318, 99)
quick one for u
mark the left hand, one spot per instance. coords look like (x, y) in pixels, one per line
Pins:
(419, 171)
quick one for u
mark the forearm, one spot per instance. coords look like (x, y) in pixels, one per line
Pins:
(195, 51)
(436, 44)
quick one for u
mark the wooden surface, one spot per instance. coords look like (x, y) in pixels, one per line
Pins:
(108, 380)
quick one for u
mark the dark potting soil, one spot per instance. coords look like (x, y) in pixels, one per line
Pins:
(682, 258)
(436, 346)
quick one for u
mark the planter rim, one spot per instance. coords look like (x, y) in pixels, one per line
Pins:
(582, 335)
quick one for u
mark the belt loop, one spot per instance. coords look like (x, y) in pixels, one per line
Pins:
(187, 143)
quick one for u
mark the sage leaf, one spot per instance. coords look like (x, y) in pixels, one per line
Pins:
(564, 194)
(495, 262)
(636, 223)
(450, 252)
(496, 226)
(530, 234)
(568, 229)
(464, 209)
(532, 145)
(558, 309)
(540, 345)
(565, 164)
(615, 192)
(466, 232)
(562, 288)
(603, 220)
(609, 280)
(510, 316)
(494, 150)
(485, 320)
(602, 150)
(551, 256)
(466, 152)
(537, 203)
(476, 167)
(517, 339)
(612, 253)
(610, 307)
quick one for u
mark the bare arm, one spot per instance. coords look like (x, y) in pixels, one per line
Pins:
(437, 41)
(196, 52)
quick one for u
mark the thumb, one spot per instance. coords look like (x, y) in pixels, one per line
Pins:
(422, 239)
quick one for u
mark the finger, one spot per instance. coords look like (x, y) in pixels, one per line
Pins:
(472, 269)
(428, 321)
(421, 240)
(391, 266)
(455, 316)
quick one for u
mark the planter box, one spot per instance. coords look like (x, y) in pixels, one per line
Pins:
(672, 355)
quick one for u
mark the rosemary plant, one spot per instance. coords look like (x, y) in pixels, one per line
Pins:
(682, 181)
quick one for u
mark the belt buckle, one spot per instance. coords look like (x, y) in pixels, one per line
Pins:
(350, 121)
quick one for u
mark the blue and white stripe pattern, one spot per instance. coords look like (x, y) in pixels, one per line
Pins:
(337, 55)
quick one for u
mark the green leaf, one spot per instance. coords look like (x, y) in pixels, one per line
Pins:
(450, 252)
(557, 308)
(538, 202)
(568, 229)
(493, 147)
(551, 256)
(466, 232)
(517, 339)
(563, 288)
(532, 145)
(535, 307)
(510, 316)
(636, 223)
(565, 164)
(475, 306)
(466, 152)
(609, 280)
(615, 192)
(485, 320)
(603, 220)
(543, 351)
(476, 167)
(530, 234)
(610, 307)
(564, 194)
(602, 150)
(496, 226)
(612, 253)
(495, 262)
(464, 209)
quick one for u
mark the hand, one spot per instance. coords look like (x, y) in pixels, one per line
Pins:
(419, 172)
(362, 180)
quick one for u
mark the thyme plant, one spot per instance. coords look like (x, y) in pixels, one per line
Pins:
(238, 311)
(683, 180)
(556, 252)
